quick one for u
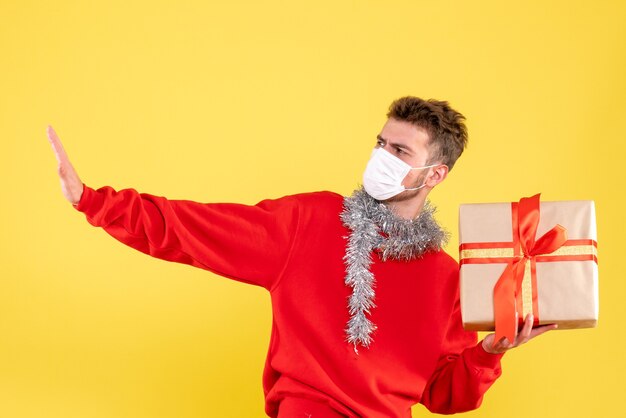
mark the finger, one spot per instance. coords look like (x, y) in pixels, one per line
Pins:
(541, 330)
(488, 344)
(526, 330)
(57, 146)
(503, 345)
(492, 346)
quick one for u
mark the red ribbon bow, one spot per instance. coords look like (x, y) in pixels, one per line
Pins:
(526, 248)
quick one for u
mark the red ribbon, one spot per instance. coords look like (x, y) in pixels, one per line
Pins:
(507, 291)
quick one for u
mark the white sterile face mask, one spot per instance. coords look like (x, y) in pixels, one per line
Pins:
(384, 173)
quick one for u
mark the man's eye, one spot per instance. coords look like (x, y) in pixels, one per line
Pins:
(399, 150)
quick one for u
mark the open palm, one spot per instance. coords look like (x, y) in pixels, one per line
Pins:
(71, 184)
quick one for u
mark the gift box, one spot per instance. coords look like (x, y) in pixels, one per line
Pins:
(528, 257)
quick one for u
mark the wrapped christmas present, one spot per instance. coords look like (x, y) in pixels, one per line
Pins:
(528, 257)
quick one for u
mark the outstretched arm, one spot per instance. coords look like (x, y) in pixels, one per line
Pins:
(248, 243)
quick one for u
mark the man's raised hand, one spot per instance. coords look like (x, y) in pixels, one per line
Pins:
(71, 184)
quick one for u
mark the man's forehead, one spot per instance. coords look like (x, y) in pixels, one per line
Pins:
(405, 133)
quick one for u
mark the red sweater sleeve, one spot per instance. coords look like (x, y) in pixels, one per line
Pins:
(248, 243)
(463, 373)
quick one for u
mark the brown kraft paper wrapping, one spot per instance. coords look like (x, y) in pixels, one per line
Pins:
(566, 291)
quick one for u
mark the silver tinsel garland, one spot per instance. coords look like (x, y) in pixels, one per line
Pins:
(375, 227)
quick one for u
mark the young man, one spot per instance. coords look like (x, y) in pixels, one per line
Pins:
(365, 301)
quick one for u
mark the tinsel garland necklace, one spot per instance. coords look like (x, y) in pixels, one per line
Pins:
(374, 226)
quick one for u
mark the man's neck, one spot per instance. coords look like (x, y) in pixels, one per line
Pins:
(408, 209)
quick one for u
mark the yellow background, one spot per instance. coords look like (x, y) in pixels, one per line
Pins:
(239, 101)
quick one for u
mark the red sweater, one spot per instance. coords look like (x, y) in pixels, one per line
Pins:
(294, 247)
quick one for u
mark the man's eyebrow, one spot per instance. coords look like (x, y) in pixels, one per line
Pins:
(394, 144)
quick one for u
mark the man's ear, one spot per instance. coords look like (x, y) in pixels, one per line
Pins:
(438, 175)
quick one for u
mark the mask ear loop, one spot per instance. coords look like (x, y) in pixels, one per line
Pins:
(415, 188)
(426, 166)
(420, 168)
